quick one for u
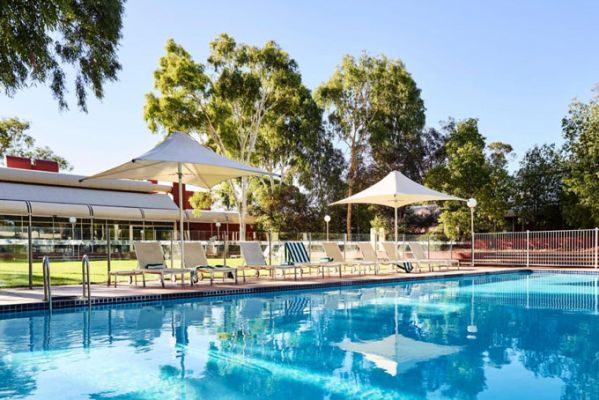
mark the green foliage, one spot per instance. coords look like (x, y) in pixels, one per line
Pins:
(539, 188)
(581, 134)
(469, 172)
(14, 141)
(285, 209)
(248, 103)
(39, 37)
(200, 201)
(374, 106)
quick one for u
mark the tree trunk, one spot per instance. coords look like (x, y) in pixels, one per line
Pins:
(243, 207)
(350, 185)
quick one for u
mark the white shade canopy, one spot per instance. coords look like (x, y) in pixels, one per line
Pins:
(200, 166)
(181, 159)
(396, 190)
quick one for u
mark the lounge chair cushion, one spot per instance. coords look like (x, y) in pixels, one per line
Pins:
(155, 266)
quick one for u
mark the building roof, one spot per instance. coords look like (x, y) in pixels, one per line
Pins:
(62, 195)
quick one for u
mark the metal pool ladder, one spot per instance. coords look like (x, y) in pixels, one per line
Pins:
(47, 282)
(85, 279)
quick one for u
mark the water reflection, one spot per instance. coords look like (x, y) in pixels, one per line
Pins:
(496, 337)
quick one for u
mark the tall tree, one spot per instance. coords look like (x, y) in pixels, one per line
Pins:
(40, 37)
(581, 133)
(372, 103)
(539, 188)
(15, 141)
(468, 172)
(247, 102)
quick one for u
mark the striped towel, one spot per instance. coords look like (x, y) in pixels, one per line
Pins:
(296, 253)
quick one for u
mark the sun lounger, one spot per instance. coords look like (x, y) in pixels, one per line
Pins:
(418, 253)
(195, 257)
(369, 254)
(150, 260)
(407, 265)
(296, 253)
(333, 251)
(254, 259)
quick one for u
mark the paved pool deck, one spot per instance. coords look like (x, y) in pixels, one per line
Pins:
(21, 299)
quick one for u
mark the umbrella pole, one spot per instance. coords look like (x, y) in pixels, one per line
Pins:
(396, 249)
(181, 239)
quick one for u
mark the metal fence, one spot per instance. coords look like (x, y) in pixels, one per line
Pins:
(110, 246)
(564, 248)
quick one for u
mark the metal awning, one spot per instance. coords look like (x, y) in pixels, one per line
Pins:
(82, 203)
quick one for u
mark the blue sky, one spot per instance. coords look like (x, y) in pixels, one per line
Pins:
(514, 65)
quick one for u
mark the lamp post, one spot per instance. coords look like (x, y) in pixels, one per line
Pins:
(472, 203)
(327, 219)
(217, 230)
(73, 221)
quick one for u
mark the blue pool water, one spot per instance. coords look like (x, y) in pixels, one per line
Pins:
(510, 336)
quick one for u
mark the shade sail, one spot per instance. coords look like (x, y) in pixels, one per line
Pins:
(200, 166)
(396, 190)
(181, 159)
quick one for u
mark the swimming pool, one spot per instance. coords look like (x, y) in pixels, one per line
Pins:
(505, 336)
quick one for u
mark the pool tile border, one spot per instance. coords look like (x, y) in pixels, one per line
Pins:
(77, 302)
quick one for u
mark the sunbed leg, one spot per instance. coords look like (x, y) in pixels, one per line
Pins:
(235, 276)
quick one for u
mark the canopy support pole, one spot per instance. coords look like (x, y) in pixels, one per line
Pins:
(181, 222)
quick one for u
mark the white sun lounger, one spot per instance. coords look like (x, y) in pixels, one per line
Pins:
(195, 257)
(334, 253)
(404, 263)
(150, 260)
(254, 259)
(418, 253)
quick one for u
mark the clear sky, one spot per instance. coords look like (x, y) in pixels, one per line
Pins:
(514, 65)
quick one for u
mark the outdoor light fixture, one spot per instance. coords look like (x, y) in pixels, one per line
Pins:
(327, 219)
(217, 230)
(472, 203)
(73, 221)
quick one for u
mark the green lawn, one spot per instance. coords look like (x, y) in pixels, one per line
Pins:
(15, 274)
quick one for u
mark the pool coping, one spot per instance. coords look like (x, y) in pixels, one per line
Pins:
(77, 302)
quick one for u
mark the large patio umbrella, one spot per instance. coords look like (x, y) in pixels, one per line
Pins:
(396, 190)
(180, 158)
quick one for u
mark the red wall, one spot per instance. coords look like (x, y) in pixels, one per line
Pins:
(28, 163)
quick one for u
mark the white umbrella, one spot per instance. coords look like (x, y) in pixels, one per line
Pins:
(181, 157)
(396, 190)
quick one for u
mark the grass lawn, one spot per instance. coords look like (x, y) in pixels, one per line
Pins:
(15, 274)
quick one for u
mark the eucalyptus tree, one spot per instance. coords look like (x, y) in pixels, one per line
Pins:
(372, 105)
(15, 141)
(581, 133)
(246, 102)
(539, 187)
(468, 172)
(40, 38)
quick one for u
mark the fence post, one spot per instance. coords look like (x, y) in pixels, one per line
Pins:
(344, 246)
(30, 252)
(109, 250)
(527, 248)
(269, 248)
(596, 247)
(428, 246)
(309, 246)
